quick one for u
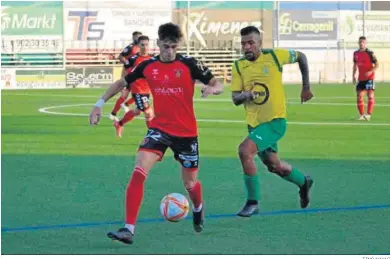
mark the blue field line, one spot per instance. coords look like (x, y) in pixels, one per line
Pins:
(212, 216)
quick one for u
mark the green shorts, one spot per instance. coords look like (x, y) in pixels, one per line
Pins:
(267, 135)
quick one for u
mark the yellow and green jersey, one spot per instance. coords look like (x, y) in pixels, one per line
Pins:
(264, 76)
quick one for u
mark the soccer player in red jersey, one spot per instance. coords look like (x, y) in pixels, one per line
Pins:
(126, 53)
(131, 49)
(139, 89)
(364, 61)
(171, 78)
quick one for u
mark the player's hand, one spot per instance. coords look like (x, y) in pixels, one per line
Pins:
(207, 90)
(149, 114)
(354, 80)
(306, 95)
(95, 115)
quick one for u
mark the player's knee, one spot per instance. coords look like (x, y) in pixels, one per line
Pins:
(244, 153)
(277, 168)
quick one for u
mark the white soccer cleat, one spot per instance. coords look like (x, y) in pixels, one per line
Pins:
(125, 108)
(368, 117)
(362, 118)
(113, 118)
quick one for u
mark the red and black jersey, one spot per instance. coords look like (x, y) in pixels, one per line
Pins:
(130, 50)
(140, 86)
(364, 61)
(172, 85)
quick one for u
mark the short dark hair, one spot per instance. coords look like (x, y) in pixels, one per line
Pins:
(362, 38)
(137, 33)
(170, 31)
(248, 30)
(143, 37)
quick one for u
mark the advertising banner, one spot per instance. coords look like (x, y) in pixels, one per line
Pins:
(376, 28)
(304, 28)
(89, 77)
(210, 28)
(40, 79)
(8, 79)
(31, 27)
(94, 26)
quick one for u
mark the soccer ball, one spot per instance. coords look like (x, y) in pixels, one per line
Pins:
(174, 207)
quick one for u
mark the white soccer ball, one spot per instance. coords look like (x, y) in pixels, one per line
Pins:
(174, 207)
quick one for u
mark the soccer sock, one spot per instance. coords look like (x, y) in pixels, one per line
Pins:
(252, 185)
(295, 177)
(360, 105)
(195, 193)
(118, 105)
(371, 103)
(129, 102)
(134, 195)
(128, 117)
(130, 227)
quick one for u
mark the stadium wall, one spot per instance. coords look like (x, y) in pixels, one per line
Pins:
(78, 44)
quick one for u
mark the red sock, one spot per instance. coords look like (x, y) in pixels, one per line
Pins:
(371, 103)
(128, 117)
(196, 194)
(134, 195)
(118, 105)
(360, 105)
(130, 101)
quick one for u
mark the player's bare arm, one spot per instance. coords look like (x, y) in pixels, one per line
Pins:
(354, 70)
(240, 97)
(375, 65)
(213, 87)
(96, 112)
(115, 88)
(306, 93)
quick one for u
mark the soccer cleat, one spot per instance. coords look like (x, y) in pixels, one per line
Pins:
(304, 192)
(367, 117)
(362, 118)
(198, 220)
(125, 108)
(248, 210)
(118, 129)
(123, 234)
(113, 118)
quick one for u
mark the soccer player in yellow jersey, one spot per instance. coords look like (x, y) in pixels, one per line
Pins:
(257, 84)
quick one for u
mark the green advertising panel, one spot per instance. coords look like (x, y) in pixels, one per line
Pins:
(32, 27)
(31, 18)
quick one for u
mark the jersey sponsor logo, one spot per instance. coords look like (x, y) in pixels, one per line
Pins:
(169, 91)
(261, 93)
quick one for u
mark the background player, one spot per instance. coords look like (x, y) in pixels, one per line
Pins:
(139, 89)
(364, 61)
(131, 49)
(257, 84)
(126, 53)
(171, 78)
